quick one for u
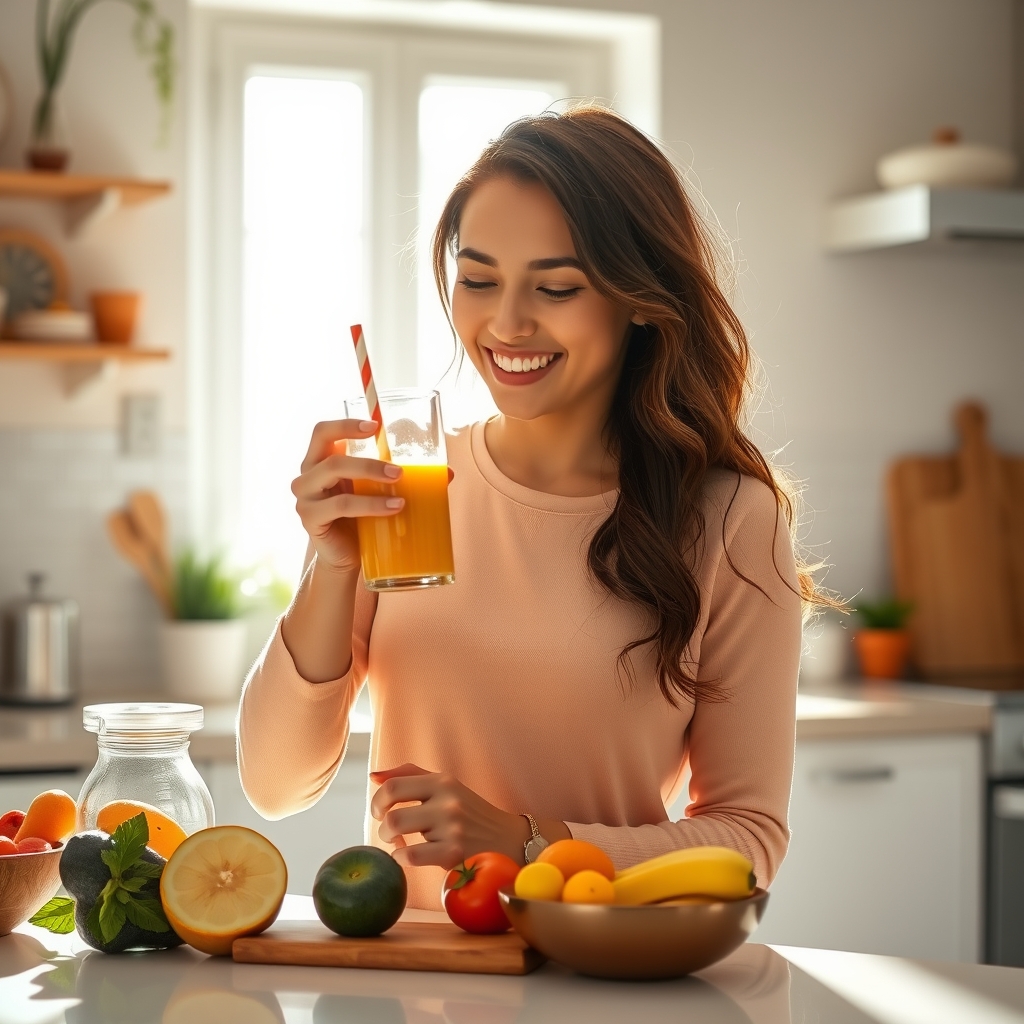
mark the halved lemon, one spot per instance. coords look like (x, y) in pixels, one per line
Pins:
(165, 834)
(223, 883)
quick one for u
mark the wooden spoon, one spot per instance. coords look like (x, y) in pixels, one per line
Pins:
(137, 552)
(147, 516)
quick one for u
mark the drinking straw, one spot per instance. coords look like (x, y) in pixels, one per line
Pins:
(370, 390)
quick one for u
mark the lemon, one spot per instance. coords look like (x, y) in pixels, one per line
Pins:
(539, 881)
(223, 883)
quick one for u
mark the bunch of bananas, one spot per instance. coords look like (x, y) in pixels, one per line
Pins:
(700, 871)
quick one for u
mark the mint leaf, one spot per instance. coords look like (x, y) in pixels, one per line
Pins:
(147, 913)
(56, 915)
(93, 920)
(145, 869)
(111, 918)
(132, 885)
(130, 838)
(113, 861)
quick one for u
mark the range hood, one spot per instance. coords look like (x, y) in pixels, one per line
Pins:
(919, 214)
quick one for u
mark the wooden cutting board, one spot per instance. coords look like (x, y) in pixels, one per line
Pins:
(957, 528)
(408, 946)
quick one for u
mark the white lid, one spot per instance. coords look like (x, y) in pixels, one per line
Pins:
(142, 718)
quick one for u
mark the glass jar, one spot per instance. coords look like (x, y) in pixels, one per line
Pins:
(143, 756)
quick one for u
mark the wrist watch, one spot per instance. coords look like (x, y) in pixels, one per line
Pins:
(536, 842)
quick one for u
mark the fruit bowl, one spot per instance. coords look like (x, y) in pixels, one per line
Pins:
(27, 881)
(654, 941)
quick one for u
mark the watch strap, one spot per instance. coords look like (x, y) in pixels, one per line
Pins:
(536, 843)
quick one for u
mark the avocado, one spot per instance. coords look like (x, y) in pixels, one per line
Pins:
(84, 875)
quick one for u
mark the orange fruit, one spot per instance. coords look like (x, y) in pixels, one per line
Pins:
(573, 855)
(539, 881)
(588, 887)
(51, 816)
(165, 834)
(220, 884)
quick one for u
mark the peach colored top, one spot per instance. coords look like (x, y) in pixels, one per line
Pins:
(507, 680)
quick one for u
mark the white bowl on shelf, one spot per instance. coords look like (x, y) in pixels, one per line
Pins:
(948, 163)
(61, 325)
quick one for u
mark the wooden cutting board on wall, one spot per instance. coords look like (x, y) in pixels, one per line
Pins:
(957, 529)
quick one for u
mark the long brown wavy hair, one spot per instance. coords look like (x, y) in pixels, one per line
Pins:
(678, 406)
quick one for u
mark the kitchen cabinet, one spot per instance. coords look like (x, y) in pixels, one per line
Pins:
(305, 839)
(886, 849)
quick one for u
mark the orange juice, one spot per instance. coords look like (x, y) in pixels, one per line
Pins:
(414, 547)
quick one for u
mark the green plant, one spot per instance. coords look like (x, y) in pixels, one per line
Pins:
(887, 613)
(203, 590)
(154, 40)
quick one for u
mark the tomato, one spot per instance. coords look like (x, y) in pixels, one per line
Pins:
(470, 892)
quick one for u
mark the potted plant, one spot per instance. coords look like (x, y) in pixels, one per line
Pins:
(883, 645)
(203, 645)
(154, 39)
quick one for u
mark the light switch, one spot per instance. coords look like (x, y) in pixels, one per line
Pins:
(140, 424)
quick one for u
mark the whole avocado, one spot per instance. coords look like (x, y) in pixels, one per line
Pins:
(360, 892)
(84, 875)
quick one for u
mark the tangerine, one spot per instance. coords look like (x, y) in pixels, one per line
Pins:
(588, 887)
(165, 834)
(574, 855)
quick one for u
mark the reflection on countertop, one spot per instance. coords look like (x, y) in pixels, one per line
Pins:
(55, 978)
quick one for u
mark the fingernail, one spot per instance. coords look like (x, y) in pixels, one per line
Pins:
(367, 425)
(391, 470)
(395, 502)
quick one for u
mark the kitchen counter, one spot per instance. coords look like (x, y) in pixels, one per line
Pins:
(53, 978)
(48, 738)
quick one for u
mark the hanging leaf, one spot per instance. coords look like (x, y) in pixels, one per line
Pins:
(56, 915)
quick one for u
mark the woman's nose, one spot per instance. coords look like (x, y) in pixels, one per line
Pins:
(511, 319)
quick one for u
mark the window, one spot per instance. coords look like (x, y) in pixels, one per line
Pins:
(331, 150)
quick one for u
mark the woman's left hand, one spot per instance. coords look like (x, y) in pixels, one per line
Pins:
(454, 821)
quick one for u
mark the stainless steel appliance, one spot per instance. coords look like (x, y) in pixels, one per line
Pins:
(39, 648)
(1004, 939)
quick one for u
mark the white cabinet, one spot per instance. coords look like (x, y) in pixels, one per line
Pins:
(305, 839)
(886, 849)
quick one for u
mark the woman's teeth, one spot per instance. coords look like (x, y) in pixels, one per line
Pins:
(520, 365)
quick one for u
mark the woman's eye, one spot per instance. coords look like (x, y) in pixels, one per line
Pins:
(475, 285)
(560, 293)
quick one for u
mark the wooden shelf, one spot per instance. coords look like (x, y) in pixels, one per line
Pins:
(87, 198)
(83, 364)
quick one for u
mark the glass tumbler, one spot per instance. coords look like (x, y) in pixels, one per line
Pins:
(413, 548)
(143, 756)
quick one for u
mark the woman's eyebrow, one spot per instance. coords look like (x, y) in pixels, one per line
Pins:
(548, 263)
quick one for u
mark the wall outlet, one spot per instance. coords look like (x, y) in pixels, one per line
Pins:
(140, 424)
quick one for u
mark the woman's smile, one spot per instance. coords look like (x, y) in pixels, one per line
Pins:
(518, 367)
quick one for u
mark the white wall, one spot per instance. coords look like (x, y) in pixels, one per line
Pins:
(780, 106)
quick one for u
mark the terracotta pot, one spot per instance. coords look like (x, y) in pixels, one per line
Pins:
(883, 653)
(114, 314)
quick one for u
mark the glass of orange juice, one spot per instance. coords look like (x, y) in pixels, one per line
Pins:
(413, 548)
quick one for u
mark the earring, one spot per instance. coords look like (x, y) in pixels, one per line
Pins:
(637, 319)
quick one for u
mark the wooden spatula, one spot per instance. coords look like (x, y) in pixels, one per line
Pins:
(137, 552)
(150, 523)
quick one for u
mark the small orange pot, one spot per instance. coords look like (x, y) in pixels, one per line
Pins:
(883, 653)
(115, 314)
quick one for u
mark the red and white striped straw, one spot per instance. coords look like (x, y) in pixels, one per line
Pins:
(370, 390)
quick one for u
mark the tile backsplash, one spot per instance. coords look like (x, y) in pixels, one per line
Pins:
(56, 489)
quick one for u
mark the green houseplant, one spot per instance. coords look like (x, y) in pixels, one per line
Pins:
(55, 34)
(203, 645)
(883, 644)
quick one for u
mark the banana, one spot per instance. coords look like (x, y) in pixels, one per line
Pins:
(700, 870)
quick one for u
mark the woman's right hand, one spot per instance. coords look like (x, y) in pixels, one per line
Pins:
(324, 497)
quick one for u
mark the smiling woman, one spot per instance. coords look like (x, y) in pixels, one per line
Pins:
(628, 602)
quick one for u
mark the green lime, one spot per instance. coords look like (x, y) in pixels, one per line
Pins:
(359, 892)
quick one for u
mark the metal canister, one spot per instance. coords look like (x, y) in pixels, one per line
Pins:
(39, 648)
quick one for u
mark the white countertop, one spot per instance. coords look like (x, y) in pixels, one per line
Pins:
(50, 978)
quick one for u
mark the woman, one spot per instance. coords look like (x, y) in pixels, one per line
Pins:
(627, 600)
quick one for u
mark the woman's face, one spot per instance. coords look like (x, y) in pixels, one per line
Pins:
(538, 332)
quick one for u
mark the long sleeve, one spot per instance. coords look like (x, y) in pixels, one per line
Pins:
(292, 733)
(741, 749)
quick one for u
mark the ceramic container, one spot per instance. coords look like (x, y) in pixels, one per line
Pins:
(948, 163)
(202, 660)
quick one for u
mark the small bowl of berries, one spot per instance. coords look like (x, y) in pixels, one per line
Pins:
(31, 843)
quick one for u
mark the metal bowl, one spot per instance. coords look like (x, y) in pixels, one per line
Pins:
(27, 881)
(656, 941)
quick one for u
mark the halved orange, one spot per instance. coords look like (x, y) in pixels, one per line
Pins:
(165, 834)
(223, 883)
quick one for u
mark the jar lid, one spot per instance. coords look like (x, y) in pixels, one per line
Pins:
(142, 718)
